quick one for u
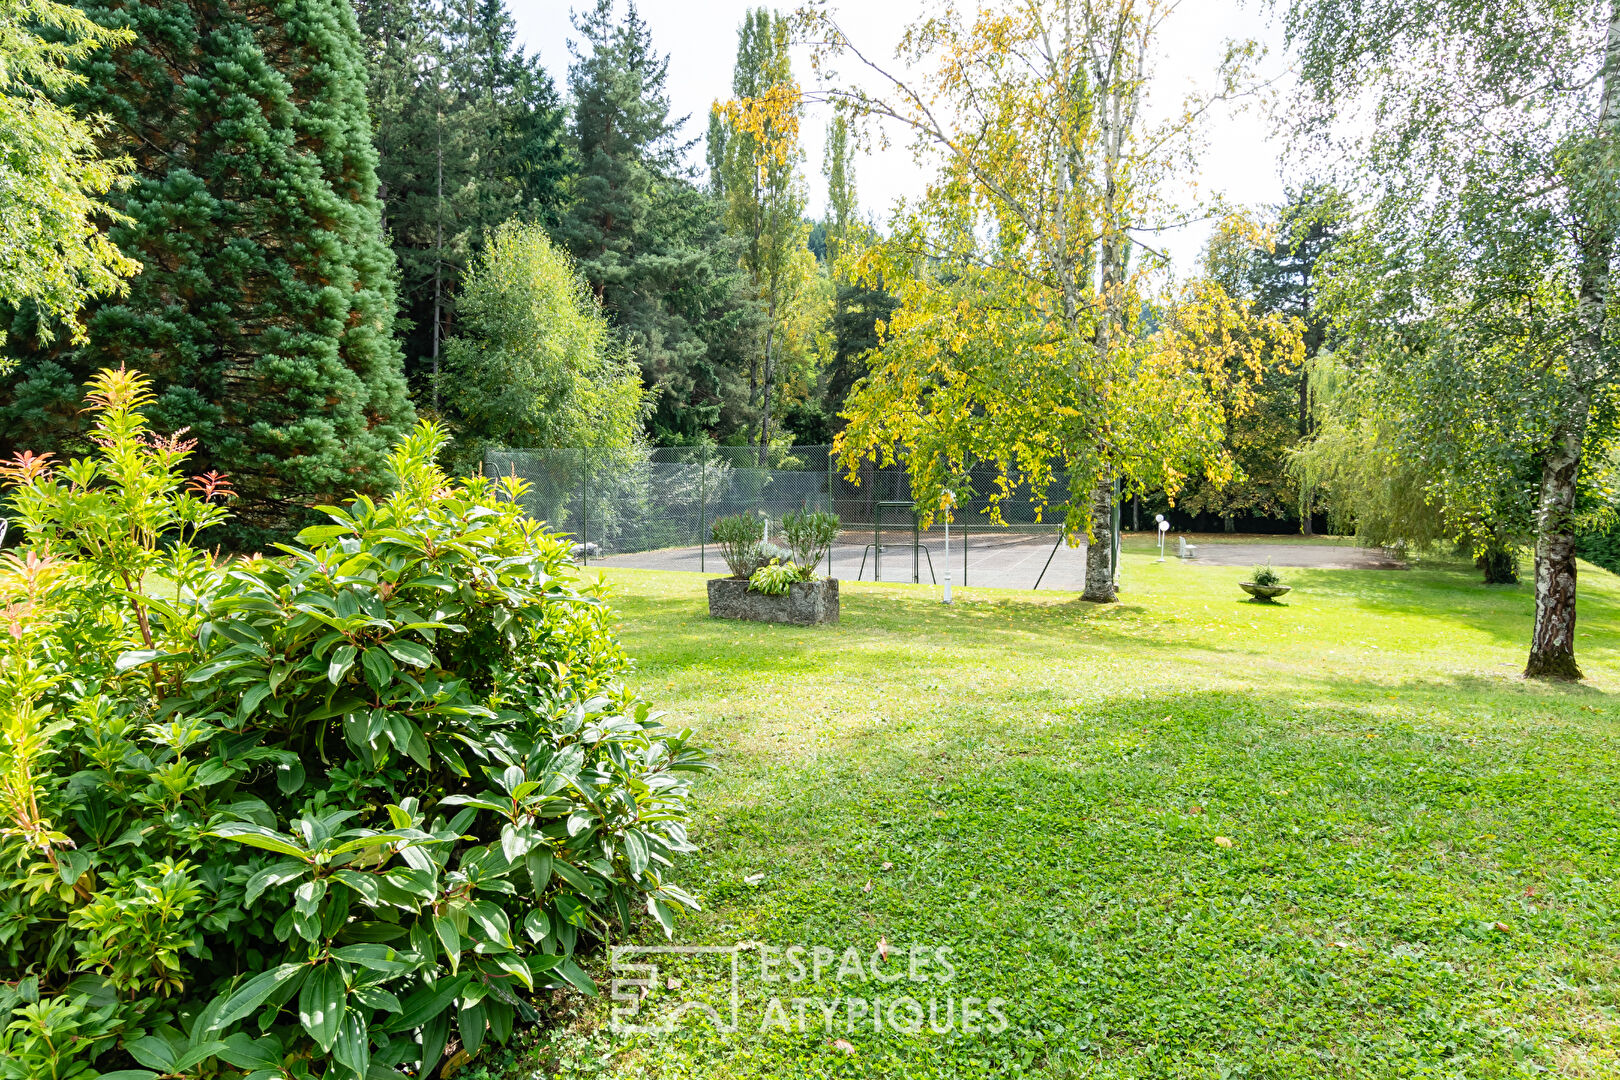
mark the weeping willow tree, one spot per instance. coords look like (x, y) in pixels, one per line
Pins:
(1403, 465)
(1372, 490)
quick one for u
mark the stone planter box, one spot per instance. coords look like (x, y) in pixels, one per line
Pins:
(1263, 592)
(808, 603)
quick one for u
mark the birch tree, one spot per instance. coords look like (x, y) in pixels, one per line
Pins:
(1033, 329)
(1489, 184)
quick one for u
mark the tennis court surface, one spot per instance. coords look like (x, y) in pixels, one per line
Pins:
(1006, 559)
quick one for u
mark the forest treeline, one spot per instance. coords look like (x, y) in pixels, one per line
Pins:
(349, 216)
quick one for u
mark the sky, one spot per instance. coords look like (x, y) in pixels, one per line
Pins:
(700, 37)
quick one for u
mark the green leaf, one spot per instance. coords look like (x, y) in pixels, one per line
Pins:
(321, 1004)
(663, 913)
(409, 652)
(450, 938)
(470, 1023)
(260, 837)
(428, 1002)
(290, 777)
(342, 660)
(375, 997)
(379, 668)
(352, 1049)
(435, 1033)
(253, 993)
(198, 1053)
(635, 852)
(481, 802)
(363, 884)
(153, 1052)
(576, 976)
(276, 874)
(128, 661)
(251, 700)
(316, 535)
(539, 864)
(376, 957)
(246, 1052)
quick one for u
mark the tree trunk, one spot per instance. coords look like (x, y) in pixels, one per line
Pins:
(1500, 564)
(438, 251)
(1552, 642)
(1099, 571)
(1228, 524)
(765, 413)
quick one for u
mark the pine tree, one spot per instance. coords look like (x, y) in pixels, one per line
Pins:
(265, 309)
(648, 239)
(469, 132)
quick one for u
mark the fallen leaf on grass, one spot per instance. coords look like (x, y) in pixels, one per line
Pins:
(888, 866)
(883, 946)
(1223, 841)
(753, 879)
(1504, 927)
(867, 887)
(843, 1047)
(1196, 810)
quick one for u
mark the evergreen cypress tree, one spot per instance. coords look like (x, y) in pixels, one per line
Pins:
(649, 239)
(265, 309)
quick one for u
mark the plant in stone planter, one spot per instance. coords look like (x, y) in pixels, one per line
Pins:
(810, 533)
(778, 577)
(739, 537)
(1266, 584)
(778, 585)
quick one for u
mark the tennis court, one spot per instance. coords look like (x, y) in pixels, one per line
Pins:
(999, 559)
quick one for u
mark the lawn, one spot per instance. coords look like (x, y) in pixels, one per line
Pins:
(1181, 836)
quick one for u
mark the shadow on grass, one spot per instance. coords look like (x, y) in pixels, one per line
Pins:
(879, 619)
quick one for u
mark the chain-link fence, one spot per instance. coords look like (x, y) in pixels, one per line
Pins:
(620, 502)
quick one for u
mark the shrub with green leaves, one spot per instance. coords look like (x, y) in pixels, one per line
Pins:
(1265, 577)
(776, 578)
(810, 533)
(322, 815)
(737, 535)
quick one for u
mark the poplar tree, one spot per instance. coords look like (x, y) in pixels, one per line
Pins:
(764, 195)
(52, 176)
(1021, 337)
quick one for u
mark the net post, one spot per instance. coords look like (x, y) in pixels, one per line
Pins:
(1113, 549)
(916, 543)
(584, 487)
(703, 507)
(1049, 559)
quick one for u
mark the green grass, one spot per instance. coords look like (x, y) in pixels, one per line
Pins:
(1424, 848)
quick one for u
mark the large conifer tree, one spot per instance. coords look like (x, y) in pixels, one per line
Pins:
(265, 307)
(469, 132)
(649, 239)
